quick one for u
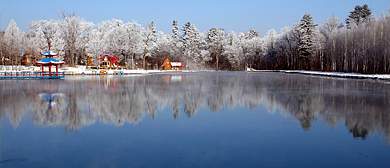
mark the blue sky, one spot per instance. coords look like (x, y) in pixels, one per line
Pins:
(239, 16)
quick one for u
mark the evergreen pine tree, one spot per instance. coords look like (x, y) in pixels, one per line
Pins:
(306, 43)
(359, 15)
(175, 31)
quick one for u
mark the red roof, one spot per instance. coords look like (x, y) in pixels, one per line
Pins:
(113, 58)
(164, 62)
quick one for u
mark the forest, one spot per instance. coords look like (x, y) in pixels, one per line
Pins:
(360, 44)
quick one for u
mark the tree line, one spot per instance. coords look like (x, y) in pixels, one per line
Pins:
(361, 45)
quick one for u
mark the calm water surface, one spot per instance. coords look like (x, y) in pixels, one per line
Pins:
(226, 119)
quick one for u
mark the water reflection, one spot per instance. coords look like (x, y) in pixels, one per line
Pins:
(362, 105)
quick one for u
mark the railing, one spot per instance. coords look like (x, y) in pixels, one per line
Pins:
(32, 75)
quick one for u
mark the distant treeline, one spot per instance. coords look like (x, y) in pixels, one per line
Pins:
(362, 44)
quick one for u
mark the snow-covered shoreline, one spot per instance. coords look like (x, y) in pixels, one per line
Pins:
(81, 70)
(340, 74)
(332, 74)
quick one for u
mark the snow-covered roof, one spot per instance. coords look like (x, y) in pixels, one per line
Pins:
(177, 64)
(50, 61)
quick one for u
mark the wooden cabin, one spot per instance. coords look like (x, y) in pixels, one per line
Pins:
(108, 61)
(89, 61)
(28, 59)
(168, 65)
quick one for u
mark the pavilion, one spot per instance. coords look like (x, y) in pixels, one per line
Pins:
(50, 61)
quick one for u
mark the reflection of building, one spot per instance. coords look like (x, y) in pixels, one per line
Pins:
(50, 99)
(169, 79)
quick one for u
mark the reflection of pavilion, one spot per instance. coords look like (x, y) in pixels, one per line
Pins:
(50, 99)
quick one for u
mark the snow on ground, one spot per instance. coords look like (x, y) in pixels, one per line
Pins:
(343, 75)
(79, 70)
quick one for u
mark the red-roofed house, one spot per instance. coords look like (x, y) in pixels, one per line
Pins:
(168, 65)
(108, 61)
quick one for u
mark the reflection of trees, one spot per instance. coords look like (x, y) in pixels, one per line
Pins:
(361, 105)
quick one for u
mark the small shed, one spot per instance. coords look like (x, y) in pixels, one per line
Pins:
(168, 65)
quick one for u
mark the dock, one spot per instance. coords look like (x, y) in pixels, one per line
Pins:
(31, 75)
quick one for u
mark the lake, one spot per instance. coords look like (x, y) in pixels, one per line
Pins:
(204, 119)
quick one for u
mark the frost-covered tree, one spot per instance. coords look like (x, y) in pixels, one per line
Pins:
(233, 50)
(149, 39)
(270, 50)
(190, 41)
(44, 30)
(163, 47)
(269, 39)
(115, 38)
(306, 41)
(330, 26)
(193, 43)
(328, 30)
(203, 50)
(187, 37)
(175, 32)
(134, 41)
(214, 39)
(36, 40)
(176, 45)
(75, 31)
(96, 44)
(288, 44)
(13, 42)
(252, 33)
(45, 33)
(253, 48)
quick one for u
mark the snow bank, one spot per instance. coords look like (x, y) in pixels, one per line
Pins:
(342, 75)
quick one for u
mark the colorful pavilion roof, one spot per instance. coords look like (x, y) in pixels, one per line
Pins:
(50, 61)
